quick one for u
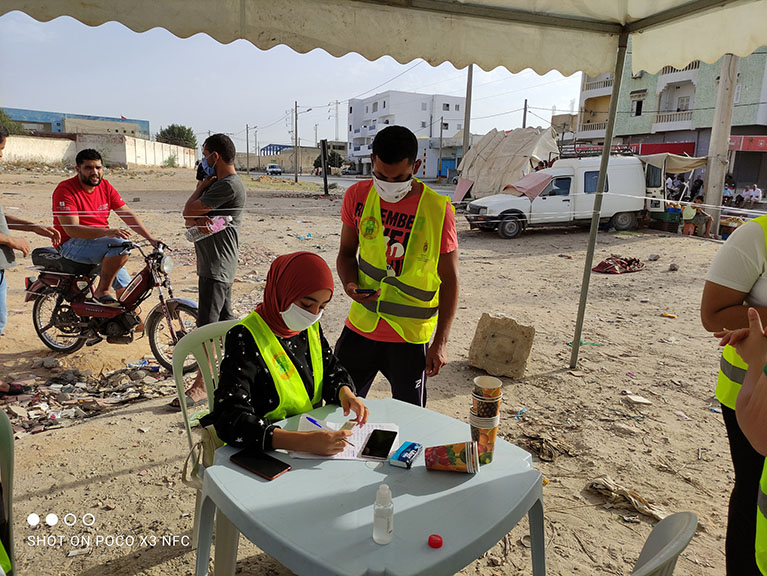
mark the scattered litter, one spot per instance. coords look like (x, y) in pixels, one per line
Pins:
(715, 409)
(630, 518)
(576, 373)
(618, 495)
(626, 392)
(78, 552)
(548, 448)
(667, 315)
(673, 267)
(519, 414)
(144, 430)
(653, 257)
(682, 415)
(630, 374)
(566, 256)
(671, 340)
(645, 300)
(618, 265)
(636, 399)
(584, 343)
(308, 236)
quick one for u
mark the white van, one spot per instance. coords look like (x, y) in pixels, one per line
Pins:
(567, 197)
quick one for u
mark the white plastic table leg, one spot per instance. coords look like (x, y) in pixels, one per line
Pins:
(537, 538)
(204, 536)
(227, 541)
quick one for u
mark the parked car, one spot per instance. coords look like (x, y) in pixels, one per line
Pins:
(564, 195)
(348, 171)
(273, 169)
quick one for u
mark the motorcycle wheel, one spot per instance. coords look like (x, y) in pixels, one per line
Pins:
(161, 340)
(54, 322)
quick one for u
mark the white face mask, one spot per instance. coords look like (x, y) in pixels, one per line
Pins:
(298, 319)
(392, 191)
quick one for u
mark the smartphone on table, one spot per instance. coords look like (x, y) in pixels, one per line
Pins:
(260, 463)
(379, 444)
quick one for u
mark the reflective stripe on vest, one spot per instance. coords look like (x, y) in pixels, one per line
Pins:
(408, 302)
(761, 524)
(290, 387)
(732, 368)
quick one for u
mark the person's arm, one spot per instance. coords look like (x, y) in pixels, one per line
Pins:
(194, 207)
(132, 221)
(27, 226)
(447, 268)
(722, 308)
(71, 223)
(15, 243)
(337, 385)
(346, 265)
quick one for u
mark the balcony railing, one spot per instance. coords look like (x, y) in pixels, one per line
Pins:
(593, 126)
(598, 84)
(667, 117)
(671, 70)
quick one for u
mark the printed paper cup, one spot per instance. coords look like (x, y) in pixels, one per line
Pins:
(457, 457)
(481, 422)
(487, 386)
(485, 439)
(486, 407)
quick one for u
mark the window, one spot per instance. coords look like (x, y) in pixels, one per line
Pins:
(558, 187)
(350, 109)
(653, 177)
(423, 124)
(384, 103)
(459, 126)
(682, 103)
(424, 106)
(350, 127)
(736, 98)
(375, 106)
(457, 107)
(444, 126)
(366, 109)
(590, 182)
(636, 107)
(446, 107)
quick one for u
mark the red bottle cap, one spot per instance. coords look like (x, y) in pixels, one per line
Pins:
(435, 541)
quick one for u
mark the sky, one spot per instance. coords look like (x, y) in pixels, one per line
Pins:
(109, 70)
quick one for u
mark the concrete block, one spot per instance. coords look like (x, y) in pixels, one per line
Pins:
(501, 346)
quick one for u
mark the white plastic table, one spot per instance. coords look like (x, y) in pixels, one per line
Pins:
(317, 519)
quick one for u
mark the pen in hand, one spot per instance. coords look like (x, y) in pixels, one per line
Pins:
(318, 425)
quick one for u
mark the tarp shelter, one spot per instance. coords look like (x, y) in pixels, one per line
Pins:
(673, 163)
(501, 158)
(531, 185)
(566, 35)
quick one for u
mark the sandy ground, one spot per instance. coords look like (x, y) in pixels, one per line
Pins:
(123, 467)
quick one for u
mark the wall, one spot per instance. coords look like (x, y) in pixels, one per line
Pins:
(122, 151)
(45, 150)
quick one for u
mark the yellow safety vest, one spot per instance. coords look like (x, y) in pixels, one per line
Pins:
(732, 368)
(408, 302)
(5, 562)
(761, 524)
(293, 396)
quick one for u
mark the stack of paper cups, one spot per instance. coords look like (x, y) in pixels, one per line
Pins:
(485, 415)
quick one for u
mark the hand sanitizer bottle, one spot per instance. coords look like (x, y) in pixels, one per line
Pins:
(383, 516)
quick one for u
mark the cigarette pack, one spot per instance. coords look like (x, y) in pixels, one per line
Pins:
(405, 454)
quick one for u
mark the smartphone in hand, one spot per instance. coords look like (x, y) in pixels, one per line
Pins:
(260, 463)
(364, 291)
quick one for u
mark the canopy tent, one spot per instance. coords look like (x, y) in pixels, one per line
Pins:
(673, 163)
(501, 158)
(566, 35)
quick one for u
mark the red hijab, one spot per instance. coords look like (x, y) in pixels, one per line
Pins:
(290, 278)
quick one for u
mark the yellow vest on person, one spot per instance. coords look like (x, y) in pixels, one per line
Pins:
(732, 368)
(291, 390)
(408, 302)
(5, 562)
(761, 524)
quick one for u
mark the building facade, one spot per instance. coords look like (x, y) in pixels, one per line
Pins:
(40, 123)
(426, 115)
(675, 109)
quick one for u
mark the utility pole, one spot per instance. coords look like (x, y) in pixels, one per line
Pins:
(439, 164)
(247, 150)
(316, 142)
(467, 114)
(258, 152)
(324, 155)
(524, 116)
(720, 138)
(295, 139)
(337, 120)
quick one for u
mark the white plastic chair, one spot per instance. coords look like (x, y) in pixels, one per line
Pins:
(206, 344)
(6, 481)
(665, 543)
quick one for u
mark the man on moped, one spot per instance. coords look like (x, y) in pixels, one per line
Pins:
(81, 208)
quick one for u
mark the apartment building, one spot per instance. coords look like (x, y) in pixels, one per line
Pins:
(426, 115)
(673, 111)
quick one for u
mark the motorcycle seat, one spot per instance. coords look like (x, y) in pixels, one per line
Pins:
(51, 259)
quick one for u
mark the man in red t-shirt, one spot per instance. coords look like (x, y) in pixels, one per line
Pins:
(398, 347)
(81, 208)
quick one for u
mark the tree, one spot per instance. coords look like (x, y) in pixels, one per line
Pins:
(334, 160)
(178, 135)
(12, 126)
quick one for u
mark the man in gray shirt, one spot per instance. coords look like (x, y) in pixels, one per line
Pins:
(221, 193)
(8, 244)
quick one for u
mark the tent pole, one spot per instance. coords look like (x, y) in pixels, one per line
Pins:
(617, 79)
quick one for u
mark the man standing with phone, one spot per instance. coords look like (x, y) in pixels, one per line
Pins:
(398, 262)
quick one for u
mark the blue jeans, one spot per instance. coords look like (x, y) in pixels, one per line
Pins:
(93, 251)
(3, 307)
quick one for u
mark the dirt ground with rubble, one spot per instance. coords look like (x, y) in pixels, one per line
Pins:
(123, 464)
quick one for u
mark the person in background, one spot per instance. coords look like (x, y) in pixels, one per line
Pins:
(278, 364)
(398, 262)
(702, 220)
(221, 193)
(751, 411)
(8, 244)
(738, 275)
(696, 187)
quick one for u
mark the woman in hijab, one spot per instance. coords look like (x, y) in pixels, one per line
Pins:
(278, 364)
